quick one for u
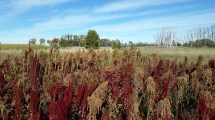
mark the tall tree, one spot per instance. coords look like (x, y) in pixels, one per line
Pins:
(165, 37)
(92, 39)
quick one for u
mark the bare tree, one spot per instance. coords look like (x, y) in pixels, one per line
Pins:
(165, 37)
(212, 32)
(201, 32)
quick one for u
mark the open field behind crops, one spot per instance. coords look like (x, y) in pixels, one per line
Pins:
(167, 53)
(21, 46)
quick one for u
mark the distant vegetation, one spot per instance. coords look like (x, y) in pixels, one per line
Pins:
(167, 37)
(21, 46)
(203, 36)
(200, 43)
(196, 37)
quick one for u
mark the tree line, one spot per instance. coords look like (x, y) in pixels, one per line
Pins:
(202, 36)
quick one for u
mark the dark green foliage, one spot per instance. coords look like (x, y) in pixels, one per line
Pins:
(116, 44)
(33, 41)
(132, 46)
(63, 43)
(200, 43)
(92, 40)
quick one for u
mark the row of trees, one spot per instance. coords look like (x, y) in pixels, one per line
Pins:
(92, 40)
(166, 37)
(196, 37)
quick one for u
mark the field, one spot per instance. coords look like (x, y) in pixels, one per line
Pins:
(147, 83)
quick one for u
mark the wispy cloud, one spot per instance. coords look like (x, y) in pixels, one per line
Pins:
(79, 20)
(138, 30)
(27, 4)
(133, 4)
(13, 8)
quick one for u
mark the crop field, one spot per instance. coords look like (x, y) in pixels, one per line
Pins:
(104, 84)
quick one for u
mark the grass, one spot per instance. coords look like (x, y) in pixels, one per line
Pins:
(167, 53)
(16, 49)
(21, 46)
(180, 52)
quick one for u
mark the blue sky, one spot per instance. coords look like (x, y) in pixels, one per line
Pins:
(130, 20)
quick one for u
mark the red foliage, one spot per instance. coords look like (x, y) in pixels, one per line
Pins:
(155, 114)
(126, 90)
(211, 63)
(17, 99)
(79, 94)
(165, 88)
(34, 76)
(184, 115)
(55, 90)
(116, 91)
(202, 107)
(34, 104)
(84, 101)
(176, 114)
(55, 41)
(5, 66)
(211, 113)
(174, 67)
(68, 96)
(204, 111)
(159, 69)
(57, 110)
(1, 82)
(82, 92)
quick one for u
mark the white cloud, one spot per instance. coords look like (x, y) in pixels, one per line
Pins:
(133, 4)
(13, 8)
(77, 21)
(145, 28)
(27, 4)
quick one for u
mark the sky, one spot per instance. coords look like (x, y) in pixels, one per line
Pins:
(126, 20)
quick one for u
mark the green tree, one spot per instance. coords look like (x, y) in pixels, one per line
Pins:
(116, 44)
(50, 42)
(42, 41)
(92, 39)
(63, 43)
(131, 45)
(32, 41)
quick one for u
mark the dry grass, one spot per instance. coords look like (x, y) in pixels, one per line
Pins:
(168, 53)
(180, 52)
